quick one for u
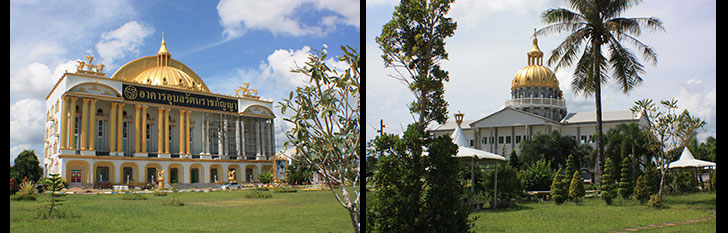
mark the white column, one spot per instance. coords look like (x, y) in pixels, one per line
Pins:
(237, 135)
(219, 137)
(242, 128)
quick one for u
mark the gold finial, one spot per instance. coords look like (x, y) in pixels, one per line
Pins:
(459, 118)
(247, 91)
(163, 48)
(535, 55)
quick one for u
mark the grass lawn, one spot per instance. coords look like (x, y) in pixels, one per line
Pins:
(594, 215)
(312, 211)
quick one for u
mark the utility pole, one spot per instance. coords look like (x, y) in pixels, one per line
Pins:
(381, 127)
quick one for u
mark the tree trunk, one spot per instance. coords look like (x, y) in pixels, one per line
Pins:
(596, 48)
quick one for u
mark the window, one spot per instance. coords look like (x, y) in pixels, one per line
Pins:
(471, 142)
(508, 139)
(500, 140)
(484, 140)
(583, 138)
(518, 139)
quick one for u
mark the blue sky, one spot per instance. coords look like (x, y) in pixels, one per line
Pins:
(490, 46)
(225, 42)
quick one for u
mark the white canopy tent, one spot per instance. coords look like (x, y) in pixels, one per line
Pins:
(466, 152)
(687, 160)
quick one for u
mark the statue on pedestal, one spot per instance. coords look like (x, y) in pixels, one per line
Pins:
(231, 176)
(160, 179)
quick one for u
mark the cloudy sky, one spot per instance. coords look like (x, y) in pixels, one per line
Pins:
(226, 43)
(490, 46)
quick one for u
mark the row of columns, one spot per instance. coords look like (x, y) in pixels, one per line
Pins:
(262, 129)
(68, 122)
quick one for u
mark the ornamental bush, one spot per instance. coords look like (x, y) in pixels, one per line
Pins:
(576, 188)
(608, 187)
(559, 192)
(641, 191)
(537, 176)
(625, 182)
(266, 177)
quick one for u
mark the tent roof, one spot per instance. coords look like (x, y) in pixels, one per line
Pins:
(465, 151)
(687, 160)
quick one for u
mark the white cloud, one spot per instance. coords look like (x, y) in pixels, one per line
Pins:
(700, 103)
(36, 79)
(278, 17)
(121, 41)
(27, 121)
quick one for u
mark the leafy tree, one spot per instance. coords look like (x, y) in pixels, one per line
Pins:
(266, 177)
(559, 189)
(576, 187)
(326, 125)
(641, 191)
(553, 147)
(537, 176)
(299, 172)
(571, 165)
(509, 184)
(625, 181)
(27, 165)
(411, 188)
(413, 43)
(597, 24)
(514, 162)
(608, 186)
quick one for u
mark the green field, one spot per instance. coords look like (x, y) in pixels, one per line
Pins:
(311, 211)
(593, 215)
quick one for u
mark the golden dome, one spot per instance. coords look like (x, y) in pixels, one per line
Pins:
(161, 70)
(535, 74)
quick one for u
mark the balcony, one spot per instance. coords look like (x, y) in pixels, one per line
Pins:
(535, 102)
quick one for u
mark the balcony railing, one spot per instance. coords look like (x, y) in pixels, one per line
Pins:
(528, 101)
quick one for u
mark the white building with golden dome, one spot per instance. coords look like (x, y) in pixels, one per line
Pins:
(154, 113)
(536, 106)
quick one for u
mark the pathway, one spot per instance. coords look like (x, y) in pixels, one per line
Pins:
(667, 224)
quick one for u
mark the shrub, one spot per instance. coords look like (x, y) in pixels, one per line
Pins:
(285, 190)
(133, 196)
(266, 177)
(13, 186)
(655, 201)
(558, 189)
(26, 192)
(608, 186)
(537, 176)
(576, 188)
(625, 182)
(509, 186)
(641, 191)
(258, 194)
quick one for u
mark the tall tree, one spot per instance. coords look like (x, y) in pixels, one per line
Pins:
(326, 125)
(598, 24)
(413, 43)
(417, 193)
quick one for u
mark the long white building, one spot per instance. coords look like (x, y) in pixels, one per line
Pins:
(536, 106)
(154, 113)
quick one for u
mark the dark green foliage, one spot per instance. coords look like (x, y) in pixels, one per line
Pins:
(553, 147)
(26, 165)
(576, 187)
(537, 176)
(641, 190)
(514, 162)
(559, 189)
(266, 177)
(509, 184)
(625, 182)
(299, 172)
(608, 186)
(258, 194)
(53, 184)
(572, 164)
(410, 198)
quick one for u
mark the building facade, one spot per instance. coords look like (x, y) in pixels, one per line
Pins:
(536, 107)
(154, 113)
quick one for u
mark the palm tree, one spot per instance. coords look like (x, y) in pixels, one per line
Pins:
(595, 24)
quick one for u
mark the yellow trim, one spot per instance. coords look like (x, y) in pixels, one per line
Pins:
(163, 159)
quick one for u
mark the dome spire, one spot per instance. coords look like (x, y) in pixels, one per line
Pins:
(163, 55)
(535, 56)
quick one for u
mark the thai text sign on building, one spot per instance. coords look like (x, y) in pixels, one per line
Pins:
(176, 98)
